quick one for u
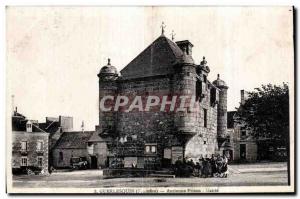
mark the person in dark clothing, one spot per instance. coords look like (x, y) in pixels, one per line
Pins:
(191, 163)
(178, 167)
(201, 166)
(197, 169)
(213, 165)
(206, 172)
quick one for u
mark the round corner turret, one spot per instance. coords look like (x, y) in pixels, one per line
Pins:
(108, 72)
(221, 84)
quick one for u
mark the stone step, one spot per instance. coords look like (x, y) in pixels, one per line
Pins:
(164, 172)
(155, 175)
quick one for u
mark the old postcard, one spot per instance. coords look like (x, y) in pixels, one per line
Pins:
(150, 100)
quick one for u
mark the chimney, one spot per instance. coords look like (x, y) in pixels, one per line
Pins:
(244, 96)
(82, 126)
(186, 46)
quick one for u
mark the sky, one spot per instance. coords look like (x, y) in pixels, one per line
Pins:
(54, 54)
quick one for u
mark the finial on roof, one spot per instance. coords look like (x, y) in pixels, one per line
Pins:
(108, 61)
(163, 26)
(218, 76)
(203, 62)
(173, 35)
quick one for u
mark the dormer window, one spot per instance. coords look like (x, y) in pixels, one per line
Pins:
(186, 46)
(29, 126)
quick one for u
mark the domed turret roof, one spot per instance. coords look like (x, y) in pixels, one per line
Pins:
(219, 83)
(108, 69)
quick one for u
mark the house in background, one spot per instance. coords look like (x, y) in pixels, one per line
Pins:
(30, 145)
(245, 145)
(71, 144)
(33, 141)
(97, 150)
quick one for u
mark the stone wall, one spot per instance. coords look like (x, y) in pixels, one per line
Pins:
(248, 140)
(160, 127)
(205, 141)
(31, 153)
(65, 162)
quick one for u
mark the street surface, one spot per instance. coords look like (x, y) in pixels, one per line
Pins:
(258, 174)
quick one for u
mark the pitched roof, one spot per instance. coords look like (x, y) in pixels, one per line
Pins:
(74, 140)
(157, 59)
(50, 127)
(96, 138)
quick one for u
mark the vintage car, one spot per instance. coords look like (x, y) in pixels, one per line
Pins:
(79, 163)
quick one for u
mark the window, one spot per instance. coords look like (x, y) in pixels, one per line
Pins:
(61, 156)
(204, 78)
(198, 90)
(205, 117)
(24, 161)
(24, 145)
(39, 146)
(28, 125)
(227, 138)
(243, 132)
(213, 96)
(40, 161)
(153, 149)
(150, 148)
(147, 149)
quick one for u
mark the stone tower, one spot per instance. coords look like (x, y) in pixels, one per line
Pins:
(185, 85)
(107, 87)
(222, 109)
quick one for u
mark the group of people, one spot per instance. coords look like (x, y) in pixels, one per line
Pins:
(216, 166)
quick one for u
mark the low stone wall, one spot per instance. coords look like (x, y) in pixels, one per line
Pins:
(129, 172)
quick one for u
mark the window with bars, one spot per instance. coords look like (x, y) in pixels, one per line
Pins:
(24, 161)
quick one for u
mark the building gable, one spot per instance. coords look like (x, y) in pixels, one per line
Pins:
(156, 59)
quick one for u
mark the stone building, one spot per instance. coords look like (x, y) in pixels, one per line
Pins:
(156, 137)
(248, 148)
(70, 144)
(35, 140)
(30, 145)
(245, 145)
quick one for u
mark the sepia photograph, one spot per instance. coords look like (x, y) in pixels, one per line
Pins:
(150, 99)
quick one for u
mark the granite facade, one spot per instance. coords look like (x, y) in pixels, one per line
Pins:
(158, 137)
(32, 146)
